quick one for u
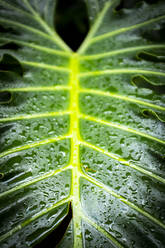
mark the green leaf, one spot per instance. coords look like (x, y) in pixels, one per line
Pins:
(84, 128)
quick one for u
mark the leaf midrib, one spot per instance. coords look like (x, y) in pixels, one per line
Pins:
(74, 160)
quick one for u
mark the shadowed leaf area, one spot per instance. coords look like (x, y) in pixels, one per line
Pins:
(82, 124)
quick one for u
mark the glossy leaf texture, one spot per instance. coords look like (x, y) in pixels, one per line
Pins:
(84, 128)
